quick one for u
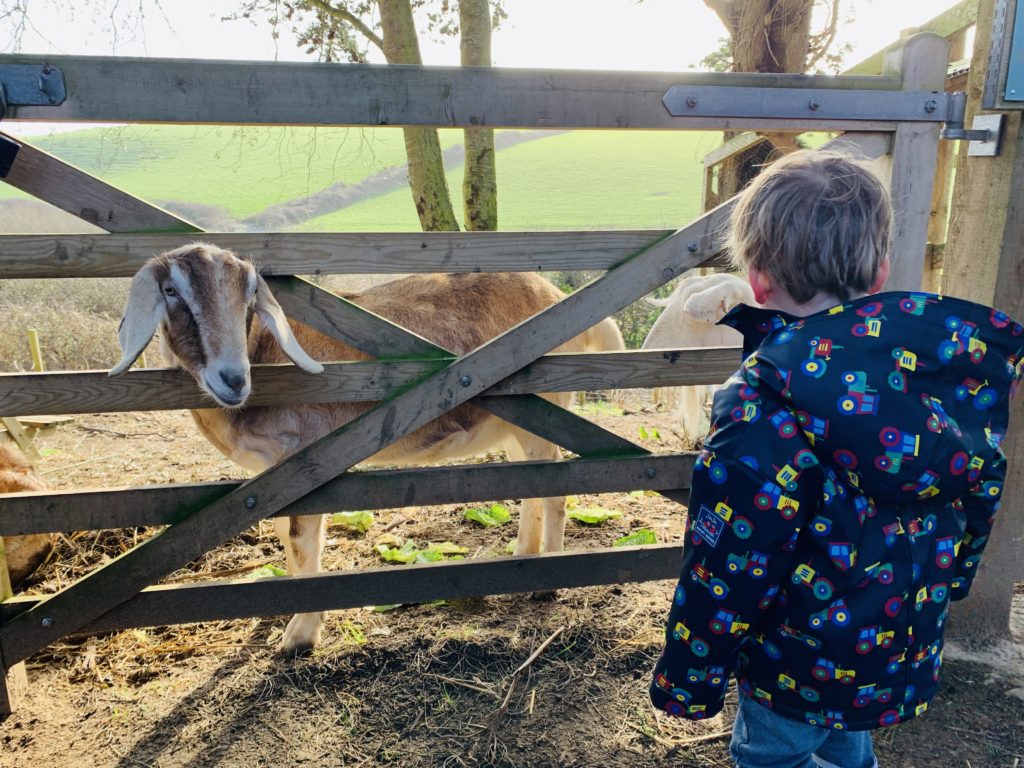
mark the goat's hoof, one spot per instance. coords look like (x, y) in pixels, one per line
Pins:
(301, 636)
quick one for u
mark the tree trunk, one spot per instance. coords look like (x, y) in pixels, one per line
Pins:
(771, 35)
(983, 262)
(423, 149)
(765, 36)
(479, 182)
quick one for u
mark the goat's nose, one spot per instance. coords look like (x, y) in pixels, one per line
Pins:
(233, 379)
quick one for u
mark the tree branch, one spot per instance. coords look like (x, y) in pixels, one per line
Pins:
(727, 12)
(343, 15)
(820, 43)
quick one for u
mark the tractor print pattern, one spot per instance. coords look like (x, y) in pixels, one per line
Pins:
(842, 498)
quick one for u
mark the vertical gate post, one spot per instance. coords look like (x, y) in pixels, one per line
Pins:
(984, 262)
(921, 63)
(13, 681)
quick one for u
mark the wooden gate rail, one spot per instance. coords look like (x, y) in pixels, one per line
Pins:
(256, 93)
(217, 600)
(153, 505)
(156, 389)
(313, 253)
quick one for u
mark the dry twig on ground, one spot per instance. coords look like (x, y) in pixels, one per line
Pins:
(490, 735)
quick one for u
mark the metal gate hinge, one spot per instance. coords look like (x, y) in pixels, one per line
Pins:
(23, 85)
(983, 135)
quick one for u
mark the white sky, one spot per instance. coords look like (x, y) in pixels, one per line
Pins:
(592, 34)
(653, 35)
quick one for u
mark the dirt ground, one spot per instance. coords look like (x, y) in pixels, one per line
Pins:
(416, 685)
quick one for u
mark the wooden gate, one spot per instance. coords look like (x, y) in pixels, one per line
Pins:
(895, 115)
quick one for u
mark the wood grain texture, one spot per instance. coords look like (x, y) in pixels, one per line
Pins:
(97, 509)
(922, 64)
(175, 604)
(162, 389)
(141, 90)
(348, 322)
(314, 253)
(573, 432)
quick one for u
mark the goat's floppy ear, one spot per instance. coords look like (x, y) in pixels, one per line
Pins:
(272, 316)
(142, 315)
(712, 304)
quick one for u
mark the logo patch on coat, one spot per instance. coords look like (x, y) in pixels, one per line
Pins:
(708, 526)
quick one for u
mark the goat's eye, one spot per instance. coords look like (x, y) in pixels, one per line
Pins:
(170, 291)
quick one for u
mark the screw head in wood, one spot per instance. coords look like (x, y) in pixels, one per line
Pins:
(250, 502)
(465, 381)
(651, 472)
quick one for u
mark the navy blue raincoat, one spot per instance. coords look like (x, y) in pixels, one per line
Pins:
(842, 498)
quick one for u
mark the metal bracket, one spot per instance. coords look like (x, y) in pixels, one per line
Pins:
(806, 103)
(30, 85)
(987, 146)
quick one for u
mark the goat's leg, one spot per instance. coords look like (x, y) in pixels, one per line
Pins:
(541, 521)
(303, 540)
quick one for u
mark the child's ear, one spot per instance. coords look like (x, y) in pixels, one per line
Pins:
(881, 276)
(760, 283)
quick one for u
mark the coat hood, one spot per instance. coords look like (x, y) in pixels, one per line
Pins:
(889, 386)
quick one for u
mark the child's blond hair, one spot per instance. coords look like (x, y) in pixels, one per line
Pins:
(816, 222)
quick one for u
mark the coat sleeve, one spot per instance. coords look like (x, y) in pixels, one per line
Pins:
(741, 531)
(979, 507)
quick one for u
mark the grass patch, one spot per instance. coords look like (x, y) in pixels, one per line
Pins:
(577, 180)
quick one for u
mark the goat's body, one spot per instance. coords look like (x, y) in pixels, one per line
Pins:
(205, 331)
(23, 553)
(489, 304)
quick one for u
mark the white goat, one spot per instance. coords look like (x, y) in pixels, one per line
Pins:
(689, 319)
(217, 316)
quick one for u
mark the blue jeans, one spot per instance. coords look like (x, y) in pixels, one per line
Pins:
(762, 739)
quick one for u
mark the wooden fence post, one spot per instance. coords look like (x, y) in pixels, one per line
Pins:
(921, 62)
(984, 262)
(13, 681)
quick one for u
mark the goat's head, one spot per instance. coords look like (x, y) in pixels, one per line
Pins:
(203, 299)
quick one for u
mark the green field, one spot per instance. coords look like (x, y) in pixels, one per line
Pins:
(576, 180)
(241, 169)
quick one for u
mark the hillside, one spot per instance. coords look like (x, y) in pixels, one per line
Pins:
(317, 179)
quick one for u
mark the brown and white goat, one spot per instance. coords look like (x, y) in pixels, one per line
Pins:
(689, 320)
(23, 553)
(217, 316)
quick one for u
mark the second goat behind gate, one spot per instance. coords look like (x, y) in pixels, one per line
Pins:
(217, 316)
(689, 320)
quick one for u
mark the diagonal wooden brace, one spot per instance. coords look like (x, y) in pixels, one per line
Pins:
(341, 319)
(323, 460)
(564, 428)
